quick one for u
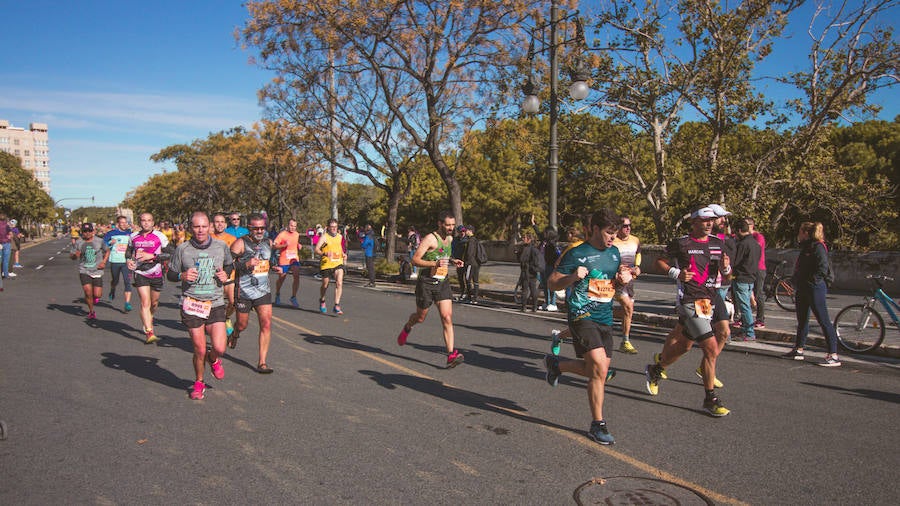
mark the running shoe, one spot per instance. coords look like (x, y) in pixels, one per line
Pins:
(830, 361)
(337, 309)
(197, 392)
(600, 434)
(277, 300)
(229, 327)
(736, 324)
(454, 358)
(555, 341)
(716, 381)
(627, 347)
(217, 369)
(653, 378)
(714, 407)
(551, 308)
(128, 307)
(151, 337)
(294, 302)
(794, 354)
(404, 334)
(322, 307)
(610, 374)
(759, 325)
(17, 266)
(551, 363)
(657, 358)
(92, 316)
(112, 294)
(11, 274)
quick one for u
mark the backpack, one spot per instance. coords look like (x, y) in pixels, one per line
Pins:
(480, 253)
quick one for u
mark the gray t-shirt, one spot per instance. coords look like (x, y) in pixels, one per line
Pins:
(92, 253)
(207, 261)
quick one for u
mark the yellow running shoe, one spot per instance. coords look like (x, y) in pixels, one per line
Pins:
(657, 358)
(716, 382)
(715, 408)
(627, 347)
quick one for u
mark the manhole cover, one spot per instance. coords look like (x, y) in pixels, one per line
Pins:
(632, 491)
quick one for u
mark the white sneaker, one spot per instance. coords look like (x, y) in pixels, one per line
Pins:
(551, 307)
(12, 274)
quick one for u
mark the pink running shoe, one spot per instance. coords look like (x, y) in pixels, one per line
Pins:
(454, 359)
(404, 334)
(92, 316)
(217, 369)
(197, 392)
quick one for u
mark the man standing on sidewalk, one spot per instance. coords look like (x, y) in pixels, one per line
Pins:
(759, 288)
(368, 246)
(745, 266)
(433, 284)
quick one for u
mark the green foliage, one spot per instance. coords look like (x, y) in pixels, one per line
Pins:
(21, 195)
(93, 214)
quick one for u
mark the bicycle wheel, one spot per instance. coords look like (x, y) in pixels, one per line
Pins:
(784, 295)
(859, 328)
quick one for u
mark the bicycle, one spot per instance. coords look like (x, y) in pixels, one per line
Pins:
(860, 327)
(780, 287)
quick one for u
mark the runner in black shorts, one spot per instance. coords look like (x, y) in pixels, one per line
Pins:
(253, 255)
(696, 260)
(92, 254)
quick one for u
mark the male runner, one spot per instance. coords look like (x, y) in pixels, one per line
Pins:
(253, 254)
(333, 249)
(202, 265)
(630, 250)
(288, 244)
(695, 261)
(594, 271)
(234, 225)
(433, 284)
(145, 258)
(218, 232)
(92, 254)
(118, 240)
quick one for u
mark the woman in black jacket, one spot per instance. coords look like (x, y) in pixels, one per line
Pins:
(809, 283)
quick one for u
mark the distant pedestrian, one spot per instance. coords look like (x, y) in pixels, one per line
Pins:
(6, 246)
(531, 263)
(550, 248)
(472, 265)
(16, 242)
(759, 289)
(744, 268)
(368, 246)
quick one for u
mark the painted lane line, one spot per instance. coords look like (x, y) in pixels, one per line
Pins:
(39, 267)
(577, 438)
(51, 258)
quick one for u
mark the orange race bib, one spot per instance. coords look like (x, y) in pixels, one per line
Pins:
(194, 307)
(601, 290)
(334, 255)
(261, 268)
(439, 271)
(703, 308)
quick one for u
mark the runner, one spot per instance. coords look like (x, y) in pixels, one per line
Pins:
(92, 254)
(73, 234)
(630, 249)
(288, 244)
(433, 284)
(695, 261)
(145, 258)
(333, 248)
(594, 271)
(118, 240)
(234, 225)
(218, 232)
(253, 254)
(202, 265)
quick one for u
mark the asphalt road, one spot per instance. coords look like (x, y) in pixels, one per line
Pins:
(94, 416)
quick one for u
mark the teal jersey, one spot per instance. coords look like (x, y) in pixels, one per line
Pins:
(592, 297)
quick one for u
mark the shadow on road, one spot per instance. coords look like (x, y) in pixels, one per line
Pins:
(72, 310)
(342, 342)
(860, 392)
(146, 368)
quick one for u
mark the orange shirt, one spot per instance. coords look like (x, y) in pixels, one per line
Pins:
(288, 244)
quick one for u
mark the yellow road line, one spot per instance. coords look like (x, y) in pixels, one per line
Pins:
(577, 438)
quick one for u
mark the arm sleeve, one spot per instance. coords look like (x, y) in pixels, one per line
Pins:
(821, 261)
(174, 271)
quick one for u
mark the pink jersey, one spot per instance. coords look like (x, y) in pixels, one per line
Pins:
(153, 243)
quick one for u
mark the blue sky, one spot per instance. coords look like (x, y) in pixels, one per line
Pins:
(117, 81)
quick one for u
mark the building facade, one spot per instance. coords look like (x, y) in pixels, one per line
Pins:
(31, 146)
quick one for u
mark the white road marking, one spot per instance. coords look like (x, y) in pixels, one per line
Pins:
(51, 258)
(39, 267)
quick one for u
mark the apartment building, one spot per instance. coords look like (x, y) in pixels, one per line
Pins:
(31, 146)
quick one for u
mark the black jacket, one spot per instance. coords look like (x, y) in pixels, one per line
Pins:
(745, 264)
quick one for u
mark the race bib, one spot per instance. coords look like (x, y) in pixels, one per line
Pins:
(121, 248)
(601, 290)
(261, 268)
(291, 255)
(703, 308)
(335, 255)
(194, 307)
(439, 271)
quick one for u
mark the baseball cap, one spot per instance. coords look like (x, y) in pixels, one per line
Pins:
(87, 227)
(719, 210)
(13, 222)
(460, 228)
(703, 212)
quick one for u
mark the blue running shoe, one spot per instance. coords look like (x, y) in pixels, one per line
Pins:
(555, 341)
(600, 434)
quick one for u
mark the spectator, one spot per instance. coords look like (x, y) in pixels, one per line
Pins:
(472, 267)
(368, 246)
(744, 267)
(16, 242)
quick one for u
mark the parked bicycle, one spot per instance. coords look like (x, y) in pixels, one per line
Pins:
(779, 286)
(860, 327)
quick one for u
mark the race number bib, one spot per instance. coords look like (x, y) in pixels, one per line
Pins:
(335, 255)
(703, 308)
(439, 271)
(601, 290)
(121, 248)
(262, 268)
(194, 307)
(291, 255)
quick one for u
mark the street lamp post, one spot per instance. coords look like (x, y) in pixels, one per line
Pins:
(578, 90)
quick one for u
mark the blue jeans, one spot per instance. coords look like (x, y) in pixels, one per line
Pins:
(742, 293)
(7, 250)
(549, 295)
(811, 296)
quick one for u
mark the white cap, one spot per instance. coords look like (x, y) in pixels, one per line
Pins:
(13, 222)
(703, 212)
(719, 210)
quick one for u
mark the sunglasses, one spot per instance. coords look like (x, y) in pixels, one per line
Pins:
(257, 228)
(626, 225)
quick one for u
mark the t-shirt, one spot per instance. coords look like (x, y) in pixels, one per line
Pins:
(761, 240)
(332, 250)
(92, 253)
(290, 253)
(592, 296)
(254, 283)
(237, 231)
(118, 242)
(629, 249)
(702, 257)
(152, 242)
(207, 260)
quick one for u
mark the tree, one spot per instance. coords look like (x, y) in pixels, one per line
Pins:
(21, 195)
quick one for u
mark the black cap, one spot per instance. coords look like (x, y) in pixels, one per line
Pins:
(87, 227)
